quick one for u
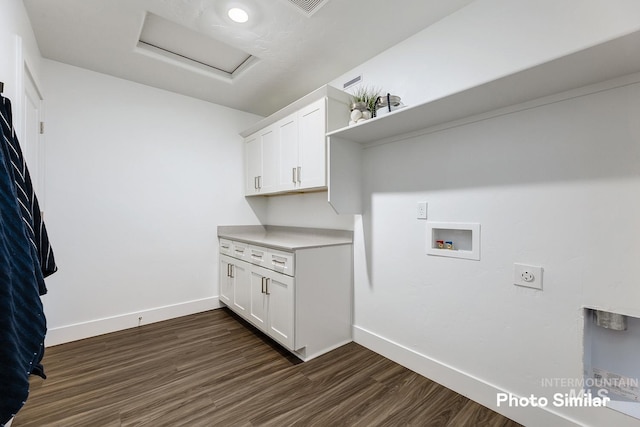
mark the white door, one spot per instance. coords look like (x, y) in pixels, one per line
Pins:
(240, 274)
(288, 151)
(280, 292)
(312, 145)
(270, 160)
(226, 282)
(253, 163)
(31, 141)
(258, 311)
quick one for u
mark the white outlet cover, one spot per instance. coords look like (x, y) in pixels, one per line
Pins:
(421, 212)
(529, 276)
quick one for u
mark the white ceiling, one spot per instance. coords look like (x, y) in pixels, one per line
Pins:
(296, 53)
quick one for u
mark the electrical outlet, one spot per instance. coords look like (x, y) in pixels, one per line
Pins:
(422, 210)
(527, 275)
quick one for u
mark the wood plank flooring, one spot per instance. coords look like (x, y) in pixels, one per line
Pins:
(213, 369)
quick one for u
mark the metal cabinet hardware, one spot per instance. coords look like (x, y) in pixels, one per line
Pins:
(265, 285)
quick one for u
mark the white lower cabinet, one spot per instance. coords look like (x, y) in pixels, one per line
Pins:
(272, 298)
(301, 299)
(234, 284)
(226, 279)
(241, 291)
(258, 311)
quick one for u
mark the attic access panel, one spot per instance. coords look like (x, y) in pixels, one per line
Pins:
(181, 44)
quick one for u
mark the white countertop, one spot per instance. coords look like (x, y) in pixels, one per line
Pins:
(285, 238)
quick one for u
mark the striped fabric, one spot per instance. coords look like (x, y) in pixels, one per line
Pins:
(29, 206)
(22, 320)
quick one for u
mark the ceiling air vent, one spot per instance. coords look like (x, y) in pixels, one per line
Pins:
(309, 7)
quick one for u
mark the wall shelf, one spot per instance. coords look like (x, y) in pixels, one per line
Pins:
(609, 60)
(605, 61)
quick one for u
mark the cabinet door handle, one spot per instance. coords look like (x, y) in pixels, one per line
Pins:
(267, 286)
(259, 182)
(255, 182)
(262, 286)
(299, 168)
(293, 175)
(231, 270)
(228, 270)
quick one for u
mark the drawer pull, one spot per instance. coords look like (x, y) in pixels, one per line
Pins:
(280, 262)
(256, 255)
(239, 250)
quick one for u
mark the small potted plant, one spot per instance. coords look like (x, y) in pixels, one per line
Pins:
(363, 103)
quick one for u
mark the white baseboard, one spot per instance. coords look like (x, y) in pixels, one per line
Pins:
(460, 382)
(120, 322)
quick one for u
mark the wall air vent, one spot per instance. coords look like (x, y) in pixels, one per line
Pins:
(354, 81)
(309, 7)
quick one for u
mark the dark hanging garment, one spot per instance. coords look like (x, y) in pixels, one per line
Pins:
(29, 206)
(22, 321)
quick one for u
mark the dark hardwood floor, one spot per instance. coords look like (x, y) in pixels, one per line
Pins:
(212, 369)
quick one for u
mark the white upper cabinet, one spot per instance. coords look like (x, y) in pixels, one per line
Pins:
(252, 164)
(287, 151)
(312, 127)
(270, 161)
(261, 161)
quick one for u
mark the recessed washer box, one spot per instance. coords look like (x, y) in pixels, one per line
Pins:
(458, 240)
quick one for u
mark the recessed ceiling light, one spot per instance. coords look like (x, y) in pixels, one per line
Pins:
(238, 15)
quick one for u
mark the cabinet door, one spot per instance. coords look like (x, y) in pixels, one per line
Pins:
(258, 306)
(226, 282)
(288, 152)
(280, 320)
(312, 145)
(240, 275)
(253, 164)
(268, 182)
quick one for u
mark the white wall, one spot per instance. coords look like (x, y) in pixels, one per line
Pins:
(305, 210)
(554, 186)
(138, 179)
(490, 39)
